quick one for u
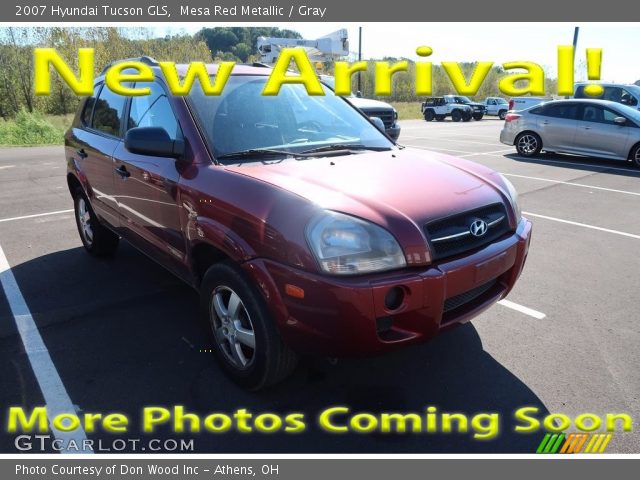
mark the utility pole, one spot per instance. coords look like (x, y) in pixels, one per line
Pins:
(575, 41)
(359, 57)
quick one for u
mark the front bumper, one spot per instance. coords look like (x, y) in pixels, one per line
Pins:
(349, 316)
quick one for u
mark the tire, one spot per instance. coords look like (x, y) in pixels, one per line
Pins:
(478, 116)
(98, 240)
(466, 117)
(502, 114)
(245, 342)
(440, 118)
(429, 115)
(528, 144)
(456, 115)
(635, 156)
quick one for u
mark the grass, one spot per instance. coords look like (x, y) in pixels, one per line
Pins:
(28, 129)
(408, 110)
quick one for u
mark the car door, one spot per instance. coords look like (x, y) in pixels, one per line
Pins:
(147, 186)
(557, 123)
(491, 107)
(599, 135)
(93, 148)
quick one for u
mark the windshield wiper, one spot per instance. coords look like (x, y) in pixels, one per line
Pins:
(341, 147)
(255, 152)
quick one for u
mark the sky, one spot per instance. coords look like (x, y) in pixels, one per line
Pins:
(499, 42)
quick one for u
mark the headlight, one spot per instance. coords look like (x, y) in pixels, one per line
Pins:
(345, 245)
(514, 197)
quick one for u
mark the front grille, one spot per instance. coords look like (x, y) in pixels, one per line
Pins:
(467, 297)
(384, 114)
(451, 235)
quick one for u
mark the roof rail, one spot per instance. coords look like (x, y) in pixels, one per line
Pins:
(152, 62)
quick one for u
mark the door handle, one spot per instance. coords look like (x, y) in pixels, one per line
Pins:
(81, 153)
(545, 123)
(122, 171)
(587, 128)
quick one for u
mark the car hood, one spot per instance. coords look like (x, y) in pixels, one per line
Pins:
(398, 189)
(364, 103)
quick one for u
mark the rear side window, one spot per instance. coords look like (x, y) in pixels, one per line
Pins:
(88, 107)
(568, 111)
(108, 111)
(154, 110)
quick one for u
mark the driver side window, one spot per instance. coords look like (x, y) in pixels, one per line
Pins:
(154, 110)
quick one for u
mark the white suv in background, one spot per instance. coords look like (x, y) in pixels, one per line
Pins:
(614, 92)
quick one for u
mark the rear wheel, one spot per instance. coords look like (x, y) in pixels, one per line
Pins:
(528, 144)
(456, 115)
(429, 115)
(635, 155)
(502, 114)
(245, 340)
(97, 240)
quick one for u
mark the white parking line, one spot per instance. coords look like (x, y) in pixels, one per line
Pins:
(24, 217)
(603, 168)
(6, 166)
(422, 147)
(522, 309)
(55, 394)
(489, 153)
(572, 184)
(578, 224)
(494, 144)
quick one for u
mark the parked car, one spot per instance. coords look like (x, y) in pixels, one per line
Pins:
(596, 128)
(372, 108)
(439, 108)
(496, 106)
(522, 103)
(477, 109)
(625, 94)
(312, 237)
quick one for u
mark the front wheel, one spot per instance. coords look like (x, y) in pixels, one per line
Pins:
(245, 340)
(456, 115)
(502, 114)
(99, 241)
(478, 116)
(635, 156)
(528, 144)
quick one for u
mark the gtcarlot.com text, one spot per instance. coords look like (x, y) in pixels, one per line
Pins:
(47, 443)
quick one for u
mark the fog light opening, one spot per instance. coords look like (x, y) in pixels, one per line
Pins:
(394, 298)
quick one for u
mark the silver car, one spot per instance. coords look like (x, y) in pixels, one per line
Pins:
(597, 128)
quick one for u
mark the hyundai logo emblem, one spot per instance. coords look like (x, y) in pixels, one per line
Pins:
(478, 228)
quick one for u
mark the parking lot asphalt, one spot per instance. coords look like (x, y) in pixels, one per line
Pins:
(123, 334)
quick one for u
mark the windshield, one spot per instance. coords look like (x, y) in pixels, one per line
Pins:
(501, 100)
(242, 120)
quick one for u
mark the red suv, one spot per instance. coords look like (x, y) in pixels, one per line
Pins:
(305, 229)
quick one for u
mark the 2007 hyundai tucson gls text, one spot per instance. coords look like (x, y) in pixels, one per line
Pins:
(305, 229)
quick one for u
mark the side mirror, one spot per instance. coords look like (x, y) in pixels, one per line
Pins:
(620, 120)
(377, 121)
(153, 141)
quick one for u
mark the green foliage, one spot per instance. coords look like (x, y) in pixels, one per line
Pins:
(240, 41)
(29, 128)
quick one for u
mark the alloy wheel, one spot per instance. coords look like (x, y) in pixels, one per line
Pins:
(232, 327)
(84, 218)
(527, 144)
